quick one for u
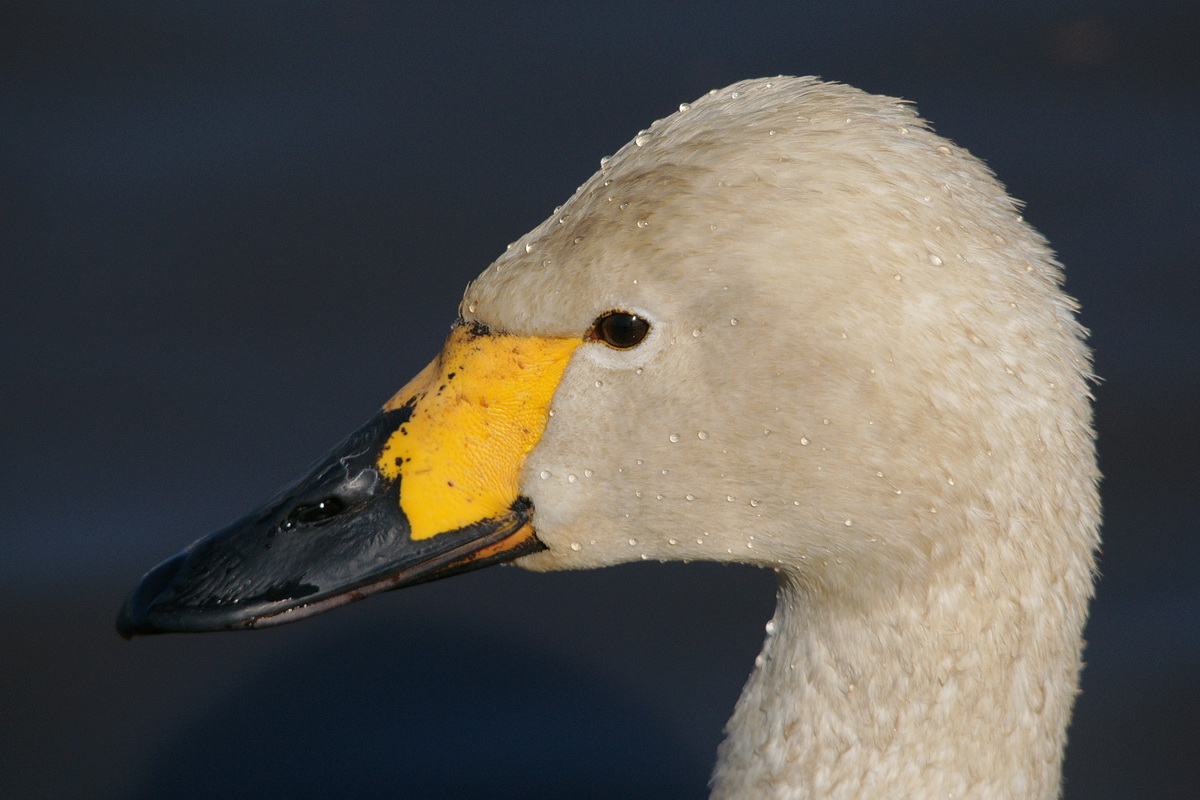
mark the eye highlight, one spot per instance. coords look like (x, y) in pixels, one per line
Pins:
(619, 329)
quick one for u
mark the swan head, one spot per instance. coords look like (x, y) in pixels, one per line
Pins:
(855, 346)
(787, 325)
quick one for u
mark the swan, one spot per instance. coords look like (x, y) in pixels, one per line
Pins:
(790, 326)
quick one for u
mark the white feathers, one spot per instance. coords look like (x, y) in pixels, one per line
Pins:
(888, 405)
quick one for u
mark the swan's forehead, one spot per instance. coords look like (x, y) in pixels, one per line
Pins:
(633, 244)
(708, 200)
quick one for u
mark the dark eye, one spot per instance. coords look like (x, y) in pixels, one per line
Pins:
(619, 329)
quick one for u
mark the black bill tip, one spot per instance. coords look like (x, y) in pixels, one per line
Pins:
(135, 617)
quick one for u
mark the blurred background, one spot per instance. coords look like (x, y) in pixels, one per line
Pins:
(229, 231)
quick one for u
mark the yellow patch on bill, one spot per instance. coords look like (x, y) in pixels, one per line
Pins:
(477, 411)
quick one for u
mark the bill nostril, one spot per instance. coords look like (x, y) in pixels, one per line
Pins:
(312, 513)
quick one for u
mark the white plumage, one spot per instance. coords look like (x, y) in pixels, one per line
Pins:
(862, 373)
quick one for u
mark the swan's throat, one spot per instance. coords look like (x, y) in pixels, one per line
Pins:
(941, 695)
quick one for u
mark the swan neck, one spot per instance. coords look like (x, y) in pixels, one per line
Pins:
(940, 692)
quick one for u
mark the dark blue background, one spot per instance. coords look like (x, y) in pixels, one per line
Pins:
(229, 231)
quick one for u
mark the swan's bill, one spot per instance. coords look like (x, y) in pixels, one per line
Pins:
(428, 488)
